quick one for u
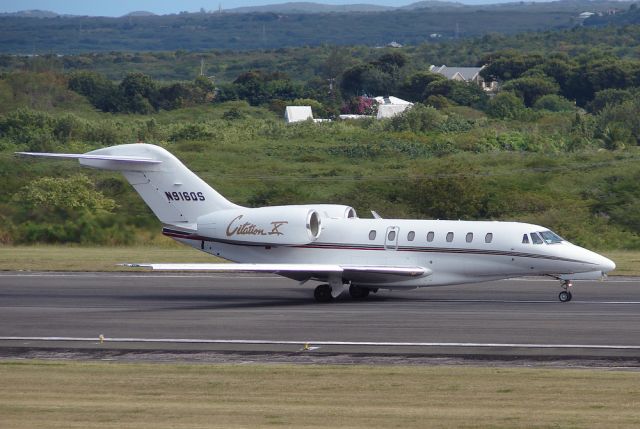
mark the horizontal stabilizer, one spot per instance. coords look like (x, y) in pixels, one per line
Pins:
(116, 158)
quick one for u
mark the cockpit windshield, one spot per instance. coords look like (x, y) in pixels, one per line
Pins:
(550, 237)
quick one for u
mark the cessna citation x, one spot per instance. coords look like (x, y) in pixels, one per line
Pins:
(329, 243)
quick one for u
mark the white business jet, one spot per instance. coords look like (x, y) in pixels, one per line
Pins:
(330, 243)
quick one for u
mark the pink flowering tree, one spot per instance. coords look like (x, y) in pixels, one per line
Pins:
(360, 106)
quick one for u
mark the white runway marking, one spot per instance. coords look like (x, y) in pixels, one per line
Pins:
(323, 343)
(548, 280)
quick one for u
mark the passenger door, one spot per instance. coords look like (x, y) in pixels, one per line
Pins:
(391, 238)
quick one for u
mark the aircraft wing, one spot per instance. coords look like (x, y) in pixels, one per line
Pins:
(358, 273)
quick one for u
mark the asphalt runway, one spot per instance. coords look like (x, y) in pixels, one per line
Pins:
(224, 313)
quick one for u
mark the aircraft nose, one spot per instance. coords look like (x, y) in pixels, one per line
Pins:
(606, 264)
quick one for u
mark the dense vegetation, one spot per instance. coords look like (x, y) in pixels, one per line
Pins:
(203, 31)
(308, 63)
(556, 146)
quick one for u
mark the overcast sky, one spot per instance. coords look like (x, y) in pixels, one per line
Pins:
(161, 7)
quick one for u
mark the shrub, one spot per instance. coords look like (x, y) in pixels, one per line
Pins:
(505, 105)
(418, 119)
(553, 103)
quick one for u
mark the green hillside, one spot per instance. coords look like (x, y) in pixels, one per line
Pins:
(557, 145)
(273, 30)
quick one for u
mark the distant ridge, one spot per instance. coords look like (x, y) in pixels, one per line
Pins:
(311, 7)
(434, 4)
(302, 8)
(272, 30)
(34, 13)
(140, 13)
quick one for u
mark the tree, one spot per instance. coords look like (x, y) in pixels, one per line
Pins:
(258, 88)
(140, 93)
(62, 210)
(336, 63)
(100, 91)
(597, 75)
(352, 81)
(619, 122)
(415, 86)
(378, 77)
(463, 93)
(450, 191)
(509, 65)
(553, 103)
(391, 62)
(531, 88)
(608, 97)
(175, 96)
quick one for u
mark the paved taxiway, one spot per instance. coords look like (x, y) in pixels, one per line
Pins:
(511, 318)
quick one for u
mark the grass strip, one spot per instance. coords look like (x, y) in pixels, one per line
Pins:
(39, 394)
(72, 258)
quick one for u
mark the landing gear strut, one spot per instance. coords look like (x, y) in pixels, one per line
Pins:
(358, 292)
(322, 293)
(565, 295)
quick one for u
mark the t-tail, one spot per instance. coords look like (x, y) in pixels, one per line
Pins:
(173, 192)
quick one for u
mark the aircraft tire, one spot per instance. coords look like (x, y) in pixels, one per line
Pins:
(322, 293)
(564, 296)
(358, 292)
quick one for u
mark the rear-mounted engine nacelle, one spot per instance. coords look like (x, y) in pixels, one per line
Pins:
(334, 211)
(290, 225)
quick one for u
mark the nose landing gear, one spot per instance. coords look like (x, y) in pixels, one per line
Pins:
(565, 295)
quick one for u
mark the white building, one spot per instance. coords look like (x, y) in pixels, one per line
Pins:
(300, 114)
(389, 107)
(297, 114)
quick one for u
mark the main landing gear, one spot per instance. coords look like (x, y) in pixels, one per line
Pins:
(565, 295)
(324, 292)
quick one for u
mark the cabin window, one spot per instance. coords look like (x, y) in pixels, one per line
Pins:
(525, 239)
(391, 236)
(449, 237)
(411, 236)
(536, 238)
(372, 234)
(430, 236)
(469, 237)
(488, 238)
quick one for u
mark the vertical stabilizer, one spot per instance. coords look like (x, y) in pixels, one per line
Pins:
(174, 193)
